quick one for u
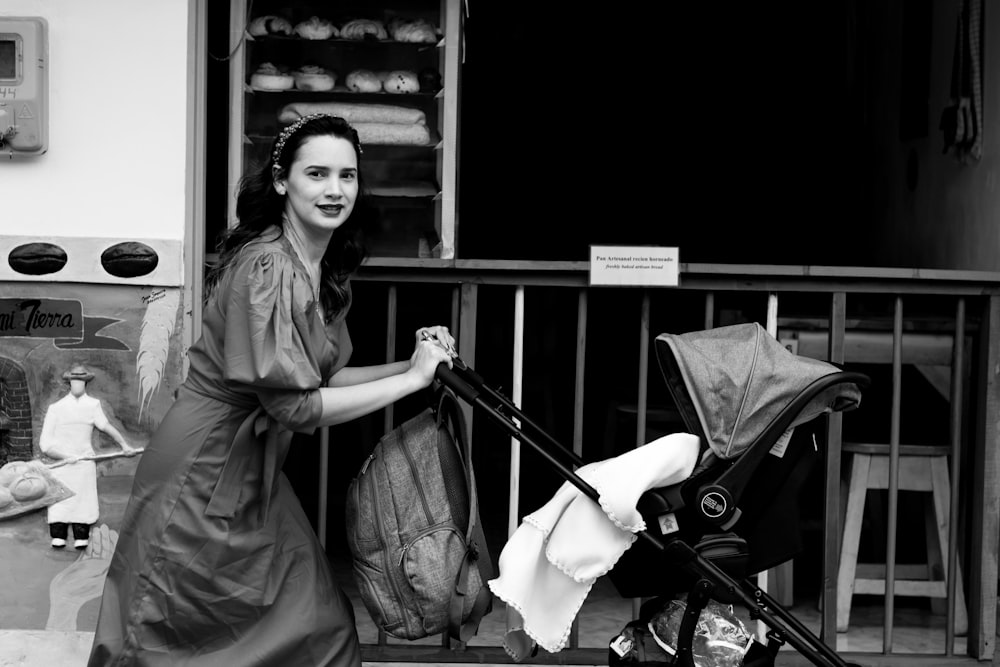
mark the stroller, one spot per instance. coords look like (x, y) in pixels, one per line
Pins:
(742, 394)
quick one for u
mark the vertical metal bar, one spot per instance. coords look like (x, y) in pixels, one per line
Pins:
(455, 324)
(447, 172)
(890, 548)
(390, 344)
(581, 364)
(324, 483)
(640, 412)
(456, 312)
(831, 494)
(455, 327)
(957, 377)
(578, 397)
(640, 406)
(194, 226)
(985, 496)
(390, 356)
(513, 494)
(764, 576)
(709, 310)
(466, 337)
(513, 517)
(238, 19)
(772, 314)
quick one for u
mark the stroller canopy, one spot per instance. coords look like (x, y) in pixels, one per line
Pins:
(730, 382)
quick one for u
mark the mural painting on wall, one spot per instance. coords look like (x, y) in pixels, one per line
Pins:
(86, 373)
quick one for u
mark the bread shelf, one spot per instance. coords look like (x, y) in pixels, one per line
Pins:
(413, 185)
(343, 92)
(340, 42)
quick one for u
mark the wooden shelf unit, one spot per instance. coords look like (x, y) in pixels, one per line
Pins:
(414, 187)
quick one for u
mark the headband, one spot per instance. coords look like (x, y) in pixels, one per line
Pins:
(279, 145)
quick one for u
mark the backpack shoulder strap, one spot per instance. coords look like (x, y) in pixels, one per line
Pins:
(477, 554)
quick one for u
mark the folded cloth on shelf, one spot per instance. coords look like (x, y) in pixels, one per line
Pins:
(393, 134)
(354, 112)
(550, 563)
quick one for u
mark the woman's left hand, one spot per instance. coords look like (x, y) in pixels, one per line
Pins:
(440, 334)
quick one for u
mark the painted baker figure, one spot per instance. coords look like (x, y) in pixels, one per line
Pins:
(67, 435)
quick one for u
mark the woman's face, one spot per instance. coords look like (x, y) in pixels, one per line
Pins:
(321, 185)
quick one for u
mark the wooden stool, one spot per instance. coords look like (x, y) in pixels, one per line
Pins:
(920, 469)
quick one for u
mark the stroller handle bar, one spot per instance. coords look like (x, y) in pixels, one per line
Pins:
(468, 385)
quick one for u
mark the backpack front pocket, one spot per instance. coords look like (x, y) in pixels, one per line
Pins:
(380, 602)
(431, 562)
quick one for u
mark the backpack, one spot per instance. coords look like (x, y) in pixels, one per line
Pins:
(420, 559)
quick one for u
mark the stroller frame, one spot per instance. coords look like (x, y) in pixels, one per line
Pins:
(726, 477)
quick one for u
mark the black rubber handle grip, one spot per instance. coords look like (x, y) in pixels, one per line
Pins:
(451, 380)
(472, 377)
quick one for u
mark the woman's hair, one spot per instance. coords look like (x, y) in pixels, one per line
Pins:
(259, 207)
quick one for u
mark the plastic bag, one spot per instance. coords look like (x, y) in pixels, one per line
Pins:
(720, 638)
(635, 645)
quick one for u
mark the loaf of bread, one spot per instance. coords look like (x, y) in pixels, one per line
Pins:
(29, 486)
(316, 28)
(354, 112)
(314, 77)
(363, 29)
(401, 81)
(270, 77)
(269, 25)
(419, 31)
(363, 81)
(11, 471)
(6, 497)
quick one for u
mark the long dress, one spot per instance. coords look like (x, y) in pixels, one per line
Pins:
(216, 562)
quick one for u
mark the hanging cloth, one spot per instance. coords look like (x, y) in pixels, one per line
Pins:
(961, 121)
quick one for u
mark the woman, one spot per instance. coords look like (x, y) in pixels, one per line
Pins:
(216, 563)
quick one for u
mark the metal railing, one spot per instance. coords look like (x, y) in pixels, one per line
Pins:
(890, 318)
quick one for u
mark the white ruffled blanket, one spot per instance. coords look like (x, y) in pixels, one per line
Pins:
(550, 563)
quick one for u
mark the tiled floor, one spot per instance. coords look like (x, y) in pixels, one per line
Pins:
(917, 631)
(603, 616)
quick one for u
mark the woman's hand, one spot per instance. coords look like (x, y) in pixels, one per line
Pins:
(426, 358)
(440, 334)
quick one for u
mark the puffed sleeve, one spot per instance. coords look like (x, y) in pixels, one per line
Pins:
(266, 340)
(266, 333)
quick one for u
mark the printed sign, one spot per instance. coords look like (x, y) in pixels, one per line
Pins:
(41, 318)
(633, 266)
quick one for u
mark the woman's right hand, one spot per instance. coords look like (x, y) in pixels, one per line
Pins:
(426, 357)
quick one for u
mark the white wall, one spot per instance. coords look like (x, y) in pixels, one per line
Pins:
(115, 165)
